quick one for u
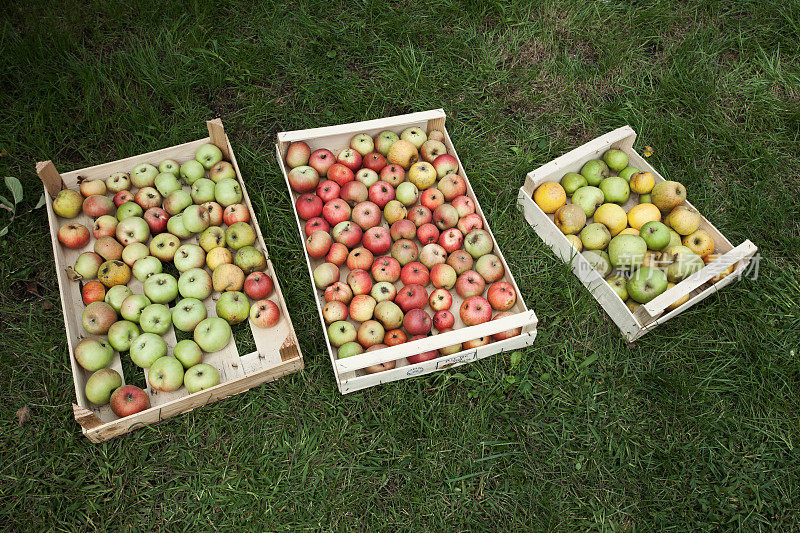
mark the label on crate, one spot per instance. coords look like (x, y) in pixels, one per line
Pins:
(463, 358)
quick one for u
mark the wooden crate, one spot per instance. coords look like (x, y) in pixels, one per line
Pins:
(277, 352)
(650, 315)
(349, 372)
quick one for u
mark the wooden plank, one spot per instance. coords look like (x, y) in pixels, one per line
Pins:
(216, 132)
(50, 177)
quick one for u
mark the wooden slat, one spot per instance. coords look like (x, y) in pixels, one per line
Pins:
(50, 177)
(216, 132)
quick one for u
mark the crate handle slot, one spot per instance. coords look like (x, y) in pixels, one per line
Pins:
(50, 177)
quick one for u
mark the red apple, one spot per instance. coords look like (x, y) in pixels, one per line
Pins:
(123, 196)
(452, 185)
(393, 175)
(157, 219)
(347, 233)
(316, 224)
(215, 213)
(359, 259)
(475, 310)
(308, 205)
(469, 223)
(445, 217)
(420, 357)
(428, 233)
(340, 174)
(386, 269)
(354, 192)
(362, 309)
(128, 400)
(431, 198)
(414, 273)
(297, 154)
(440, 300)
(321, 160)
(501, 295)
(470, 283)
(374, 161)
(443, 319)
(148, 197)
(476, 343)
(334, 311)
(239, 213)
(503, 335)
(403, 229)
(74, 235)
(377, 240)
(360, 281)
(394, 337)
(339, 292)
(445, 164)
(461, 261)
(451, 240)
(349, 158)
(419, 215)
(443, 276)
(105, 227)
(94, 291)
(318, 244)
(381, 193)
(411, 297)
(464, 205)
(432, 254)
(337, 254)
(98, 205)
(258, 285)
(380, 367)
(366, 214)
(328, 190)
(405, 251)
(417, 322)
(265, 313)
(303, 179)
(336, 211)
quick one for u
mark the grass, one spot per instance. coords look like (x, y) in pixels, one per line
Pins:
(695, 426)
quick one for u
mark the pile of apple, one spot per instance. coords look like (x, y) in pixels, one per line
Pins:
(135, 323)
(639, 254)
(394, 211)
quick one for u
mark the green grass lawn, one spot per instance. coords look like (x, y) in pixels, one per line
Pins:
(695, 426)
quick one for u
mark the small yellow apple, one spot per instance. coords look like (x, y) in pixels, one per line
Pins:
(642, 182)
(629, 231)
(576, 242)
(611, 216)
(700, 242)
(549, 196)
(641, 214)
(570, 218)
(683, 220)
(713, 257)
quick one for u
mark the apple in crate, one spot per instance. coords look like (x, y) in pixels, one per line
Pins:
(646, 283)
(360, 281)
(414, 273)
(381, 193)
(101, 384)
(501, 295)
(188, 353)
(94, 354)
(404, 251)
(337, 254)
(336, 211)
(212, 334)
(155, 318)
(394, 337)
(316, 224)
(189, 256)
(239, 235)
(360, 259)
(380, 367)
(146, 267)
(341, 332)
(385, 140)
(176, 227)
(388, 314)
(200, 377)
(191, 171)
(377, 240)
(218, 256)
(227, 277)
(133, 252)
(431, 198)
(349, 349)
(328, 190)
(386, 269)
(147, 349)
(470, 283)
(354, 192)
(370, 333)
(132, 307)
(422, 175)
(265, 313)
(87, 264)
(164, 246)
(445, 164)
(203, 190)
(129, 400)
(104, 226)
(453, 348)
(233, 307)
(432, 254)
(431, 149)
(113, 273)
(195, 283)
(367, 215)
(68, 203)
(347, 233)
(341, 174)
(402, 229)
(374, 161)
(188, 313)
(108, 248)
(321, 160)
(443, 276)
(156, 219)
(121, 335)
(166, 374)
(367, 176)
(350, 158)
(175, 202)
(362, 143)
(411, 297)
(208, 155)
(222, 170)
(382, 291)
(421, 357)
(475, 310)
(452, 186)
(503, 335)
(215, 213)
(393, 175)
(171, 166)
(74, 235)
(94, 291)
(451, 240)
(235, 213)
(308, 205)
(464, 206)
(98, 205)
(250, 259)
(118, 182)
(334, 311)
(116, 295)
(427, 234)
(362, 307)
(228, 192)
(129, 209)
(478, 242)
(212, 237)
(258, 285)
(161, 288)
(445, 217)
(298, 154)
(148, 197)
(132, 229)
(166, 182)
(443, 319)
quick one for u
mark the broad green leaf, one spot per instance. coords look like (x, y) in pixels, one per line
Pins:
(516, 358)
(15, 187)
(3, 231)
(40, 203)
(6, 203)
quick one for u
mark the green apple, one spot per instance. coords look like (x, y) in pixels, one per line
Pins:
(188, 313)
(189, 256)
(572, 181)
(161, 288)
(239, 235)
(618, 284)
(627, 251)
(132, 306)
(199, 377)
(208, 155)
(599, 261)
(615, 190)
(167, 183)
(94, 354)
(147, 266)
(176, 226)
(674, 239)
(128, 210)
(101, 384)
(68, 203)
(166, 374)
(228, 192)
(349, 349)
(203, 191)
(341, 332)
(615, 159)
(594, 171)
(155, 318)
(214, 237)
(233, 306)
(656, 235)
(195, 283)
(407, 193)
(121, 335)
(144, 175)
(116, 295)
(646, 283)
(192, 171)
(147, 348)
(212, 334)
(645, 199)
(589, 198)
(249, 259)
(595, 236)
(188, 353)
(627, 172)
(681, 263)
(177, 201)
(385, 140)
(88, 263)
(196, 218)
(171, 166)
